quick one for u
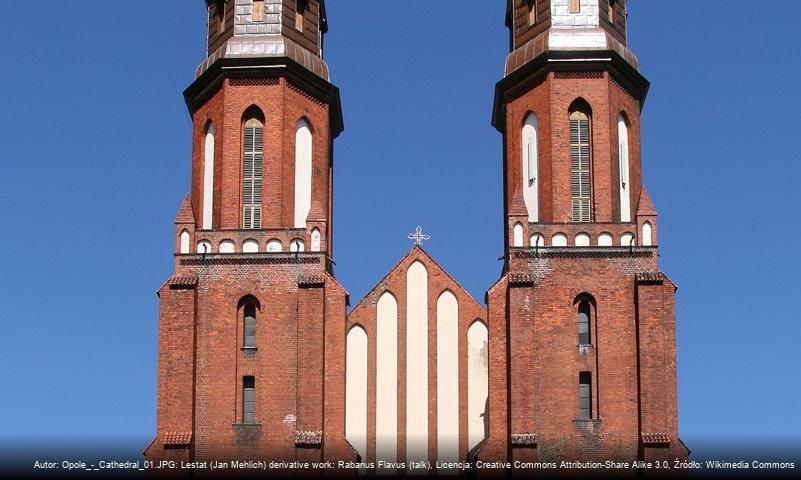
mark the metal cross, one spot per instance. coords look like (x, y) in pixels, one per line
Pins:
(418, 236)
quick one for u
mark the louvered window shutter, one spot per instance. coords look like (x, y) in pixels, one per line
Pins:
(580, 166)
(252, 174)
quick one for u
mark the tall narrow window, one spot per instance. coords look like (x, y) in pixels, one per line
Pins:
(574, 6)
(252, 173)
(250, 326)
(257, 15)
(580, 165)
(623, 160)
(584, 322)
(208, 178)
(531, 167)
(248, 400)
(532, 12)
(612, 11)
(585, 395)
(300, 10)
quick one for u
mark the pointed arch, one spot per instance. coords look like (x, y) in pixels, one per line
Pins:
(624, 185)
(580, 114)
(417, 361)
(585, 310)
(477, 384)
(447, 324)
(356, 389)
(647, 234)
(252, 166)
(517, 235)
(530, 165)
(208, 176)
(386, 421)
(184, 241)
(303, 171)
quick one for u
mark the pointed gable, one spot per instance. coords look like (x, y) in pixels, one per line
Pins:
(185, 214)
(645, 206)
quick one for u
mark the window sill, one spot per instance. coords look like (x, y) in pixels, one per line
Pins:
(249, 349)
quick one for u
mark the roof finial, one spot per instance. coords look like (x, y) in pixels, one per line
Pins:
(418, 236)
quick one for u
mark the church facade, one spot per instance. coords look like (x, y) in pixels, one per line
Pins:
(571, 355)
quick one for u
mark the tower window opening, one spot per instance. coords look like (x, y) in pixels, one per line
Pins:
(612, 5)
(585, 395)
(252, 173)
(580, 165)
(300, 10)
(248, 400)
(532, 12)
(220, 10)
(574, 6)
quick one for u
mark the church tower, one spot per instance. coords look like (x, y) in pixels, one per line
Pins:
(581, 323)
(251, 351)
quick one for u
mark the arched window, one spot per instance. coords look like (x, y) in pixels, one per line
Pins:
(580, 181)
(253, 156)
(303, 173)
(249, 322)
(208, 178)
(623, 160)
(531, 167)
(204, 246)
(250, 246)
(584, 312)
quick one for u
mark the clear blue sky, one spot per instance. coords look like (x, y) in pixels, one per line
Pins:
(95, 160)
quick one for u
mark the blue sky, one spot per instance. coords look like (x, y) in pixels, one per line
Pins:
(95, 160)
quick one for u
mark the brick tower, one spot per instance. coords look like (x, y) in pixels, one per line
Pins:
(251, 350)
(581, 324)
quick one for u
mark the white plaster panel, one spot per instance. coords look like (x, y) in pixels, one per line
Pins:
(447, 379)
(416, 364)
(297, 245)
(627, 239)
(274, 246)
(208, 179)
(315, 240)
(582, 240)
(250, 246)
(605, 240)
(356, 390)
(204, 246)
(477, 384)
(530, 156)
(537, 240)
(623, 160)
(517, 234)
(184, 242)
(386, 403)
(559, 240)
(303, 173)
(227, 246)
(647, 241)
